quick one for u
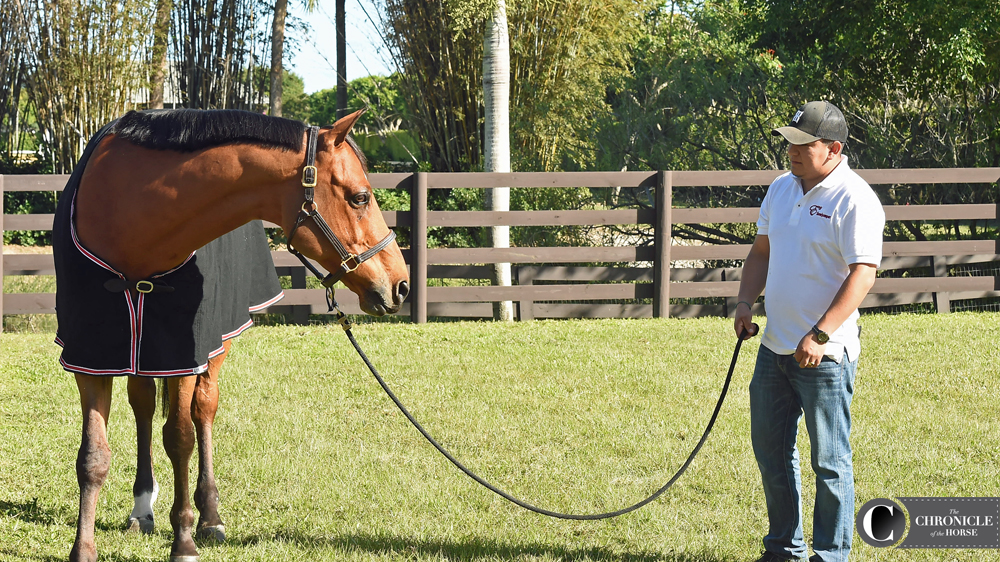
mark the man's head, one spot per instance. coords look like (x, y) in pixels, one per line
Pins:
(816, 137)
(814, 121)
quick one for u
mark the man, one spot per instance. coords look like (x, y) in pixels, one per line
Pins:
(818, 244)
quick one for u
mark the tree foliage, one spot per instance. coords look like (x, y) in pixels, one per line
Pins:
(13, 74)
(596, 85)
(218, 53)
(83, 60)
(68, 67)
(918, 82)
(440, 76)
(920, 79)
(563, 55)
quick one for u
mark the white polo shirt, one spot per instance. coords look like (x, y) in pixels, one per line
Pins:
(813, 239)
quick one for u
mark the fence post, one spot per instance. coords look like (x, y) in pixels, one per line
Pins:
(1, 252)
(526, 277)
(942, 302)
(300, 312)
(661, 244)
(418, 247)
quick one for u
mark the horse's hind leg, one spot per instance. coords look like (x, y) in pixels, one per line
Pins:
(142, 398)
(178, 440)
(206, 494)
(93, 460)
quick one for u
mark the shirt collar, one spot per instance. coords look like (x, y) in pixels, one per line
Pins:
(832, 178)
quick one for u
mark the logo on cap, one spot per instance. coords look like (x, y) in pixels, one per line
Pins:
(798, 114)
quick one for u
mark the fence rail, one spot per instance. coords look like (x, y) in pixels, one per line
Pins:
(545, 283)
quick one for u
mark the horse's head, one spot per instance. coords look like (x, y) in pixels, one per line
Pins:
(344, 200)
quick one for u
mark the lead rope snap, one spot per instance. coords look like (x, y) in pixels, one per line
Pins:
(332, 305)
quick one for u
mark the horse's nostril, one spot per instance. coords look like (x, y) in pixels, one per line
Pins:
(402, 289)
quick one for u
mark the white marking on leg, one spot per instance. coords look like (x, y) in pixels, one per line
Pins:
(143, 507)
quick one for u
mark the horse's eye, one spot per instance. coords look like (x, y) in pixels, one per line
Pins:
(360, 199)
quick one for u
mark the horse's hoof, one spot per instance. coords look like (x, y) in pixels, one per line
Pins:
(184, 558)
(144, 525)
(215, 533)
(83, 553)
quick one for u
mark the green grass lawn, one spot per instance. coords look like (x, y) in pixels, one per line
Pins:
(314, 462)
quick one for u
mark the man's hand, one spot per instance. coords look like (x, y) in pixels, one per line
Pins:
(744, 321)
(809, 352)
(859, 281)
(751, 284)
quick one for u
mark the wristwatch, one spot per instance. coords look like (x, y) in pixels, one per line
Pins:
(821, 336)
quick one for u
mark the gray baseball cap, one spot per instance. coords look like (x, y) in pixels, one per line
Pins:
(814, 121)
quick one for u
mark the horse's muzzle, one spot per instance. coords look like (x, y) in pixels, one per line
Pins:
(378, 303)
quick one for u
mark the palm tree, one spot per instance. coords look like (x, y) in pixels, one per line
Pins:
(278, 51)
(496, 97)
(341, 18)
(158, 64)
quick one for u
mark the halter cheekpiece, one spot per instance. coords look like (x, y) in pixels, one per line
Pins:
(348, 261)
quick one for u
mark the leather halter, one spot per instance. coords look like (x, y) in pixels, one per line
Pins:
(348, 261)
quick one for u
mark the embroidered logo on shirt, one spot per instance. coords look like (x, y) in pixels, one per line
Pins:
(815, 210)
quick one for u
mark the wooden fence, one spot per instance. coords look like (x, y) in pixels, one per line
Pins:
(546, 288)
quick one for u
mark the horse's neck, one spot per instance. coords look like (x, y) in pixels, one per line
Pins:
(144, 211)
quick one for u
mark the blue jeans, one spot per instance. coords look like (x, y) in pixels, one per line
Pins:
(780, 393)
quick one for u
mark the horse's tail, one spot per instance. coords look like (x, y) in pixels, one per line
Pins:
(161, 387)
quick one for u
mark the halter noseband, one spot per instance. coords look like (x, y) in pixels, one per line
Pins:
(348, 261)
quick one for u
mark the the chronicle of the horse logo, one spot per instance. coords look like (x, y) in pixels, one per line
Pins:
(814, 211)
(798, 115)
(933, 523)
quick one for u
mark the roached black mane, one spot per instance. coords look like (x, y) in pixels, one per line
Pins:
(187, 130)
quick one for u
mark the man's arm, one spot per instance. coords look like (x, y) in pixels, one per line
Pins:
(853, 290)
(752, 283)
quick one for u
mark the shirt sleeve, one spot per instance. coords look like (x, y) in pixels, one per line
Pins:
(860, 235)
(763, 219)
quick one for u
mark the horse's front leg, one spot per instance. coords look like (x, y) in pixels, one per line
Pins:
(206, 494)
(142, 398)
(93, 460)
(178, 440)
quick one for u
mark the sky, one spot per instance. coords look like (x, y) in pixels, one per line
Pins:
(316, 59)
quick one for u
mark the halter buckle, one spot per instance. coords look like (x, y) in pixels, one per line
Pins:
(309, 174)
(346, 267)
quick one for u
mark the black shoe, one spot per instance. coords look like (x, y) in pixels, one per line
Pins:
(768, 556)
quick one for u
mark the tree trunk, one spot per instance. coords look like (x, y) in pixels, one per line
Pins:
(158, 62)
(341, 59)
(496, 96)
(277, 51)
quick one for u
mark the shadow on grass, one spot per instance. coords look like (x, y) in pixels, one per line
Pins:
(7, 554)
(467, 549)
(34, 514)
(31, 512)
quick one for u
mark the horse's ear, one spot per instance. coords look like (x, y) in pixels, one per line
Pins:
(343, 126)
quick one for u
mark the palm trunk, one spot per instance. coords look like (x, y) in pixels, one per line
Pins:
(341, 17)
(277, 50)
(158, 62)
(496, 95)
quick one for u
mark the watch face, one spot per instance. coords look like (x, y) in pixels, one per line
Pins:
(821, 336)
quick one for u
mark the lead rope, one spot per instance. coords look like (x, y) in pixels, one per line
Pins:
(346, 324)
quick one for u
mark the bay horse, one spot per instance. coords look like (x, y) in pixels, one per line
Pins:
(156, 197)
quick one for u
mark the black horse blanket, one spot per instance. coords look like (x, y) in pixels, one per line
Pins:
(157, 334)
